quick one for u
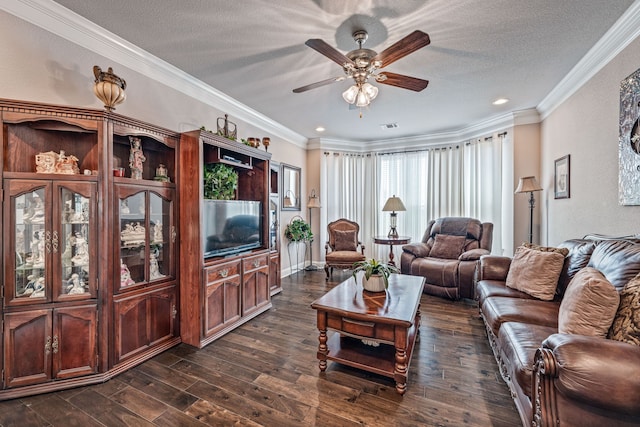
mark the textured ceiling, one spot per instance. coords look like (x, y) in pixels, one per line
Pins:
(253, 50)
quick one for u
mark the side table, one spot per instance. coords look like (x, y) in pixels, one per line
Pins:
(391, 241)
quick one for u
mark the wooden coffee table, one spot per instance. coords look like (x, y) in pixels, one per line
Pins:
(376, 331)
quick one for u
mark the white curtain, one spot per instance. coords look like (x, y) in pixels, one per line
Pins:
(457, 180)
(348, 183)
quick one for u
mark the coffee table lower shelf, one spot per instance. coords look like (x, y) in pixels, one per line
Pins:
(381, 360)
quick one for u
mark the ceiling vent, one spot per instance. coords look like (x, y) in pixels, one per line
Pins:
(389, 126)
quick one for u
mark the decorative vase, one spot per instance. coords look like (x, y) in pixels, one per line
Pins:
(108, 87)
(375, 283)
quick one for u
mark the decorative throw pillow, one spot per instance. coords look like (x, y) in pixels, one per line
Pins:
(447, 246)
(589, 305)
(563, 251)
(626, 324)
(535, 272)
(345, 240)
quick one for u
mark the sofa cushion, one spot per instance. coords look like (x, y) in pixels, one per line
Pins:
(498, 310)
(580, 251)
(447, 246)
(617, 260)
(535, 272)
(517, 343)
(345, 240)
(626, 324)
(562, 251)
(589, 305)
(497, 288)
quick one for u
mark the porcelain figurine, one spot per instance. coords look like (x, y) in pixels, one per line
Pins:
(136, 157)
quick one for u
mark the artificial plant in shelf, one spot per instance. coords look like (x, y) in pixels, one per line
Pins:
(220, 182)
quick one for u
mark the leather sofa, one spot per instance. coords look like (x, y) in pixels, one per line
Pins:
(448, 255)
(561, 379)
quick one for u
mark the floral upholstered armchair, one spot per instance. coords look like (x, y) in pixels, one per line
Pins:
(341, 250)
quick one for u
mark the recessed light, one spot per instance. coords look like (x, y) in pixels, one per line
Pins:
(320, 129)
(500, 101)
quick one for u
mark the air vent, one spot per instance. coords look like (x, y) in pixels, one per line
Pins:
(389, 126)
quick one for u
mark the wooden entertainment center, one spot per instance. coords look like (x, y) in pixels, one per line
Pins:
(102, 271)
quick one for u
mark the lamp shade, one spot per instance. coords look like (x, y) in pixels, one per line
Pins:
(314, 201)
(528, 184)
(393, 204)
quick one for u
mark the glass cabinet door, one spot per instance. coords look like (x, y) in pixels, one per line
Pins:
(73, 240)
(29, 241)
(133, 238)
(146, 235)
(162, 237)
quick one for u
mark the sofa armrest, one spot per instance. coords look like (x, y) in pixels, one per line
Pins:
(418, 250)
(473, 254)
(493, 267)
(595, 371)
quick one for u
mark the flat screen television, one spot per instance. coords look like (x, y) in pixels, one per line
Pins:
(231, 226)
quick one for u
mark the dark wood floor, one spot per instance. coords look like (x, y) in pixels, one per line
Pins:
(266, 373)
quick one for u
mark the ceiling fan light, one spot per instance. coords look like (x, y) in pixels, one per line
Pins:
(370, 90)
(362, 100)
(350, 94)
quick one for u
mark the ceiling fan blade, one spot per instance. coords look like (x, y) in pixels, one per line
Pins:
(318, 84)
(328, 51)
(403, 47)
(399, 80)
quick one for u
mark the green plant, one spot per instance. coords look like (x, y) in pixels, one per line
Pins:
(298, 230)
(220, 182)
(374, 267)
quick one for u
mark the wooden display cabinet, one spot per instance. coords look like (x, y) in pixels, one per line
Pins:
(218, 294)
(67, 320)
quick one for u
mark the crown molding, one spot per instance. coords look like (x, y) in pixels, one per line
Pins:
(64, 23)
(619, 36)
(482, 129)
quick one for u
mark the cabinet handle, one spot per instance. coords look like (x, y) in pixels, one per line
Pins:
(55, 344)
(174, 311)
(47, 346)
(47, 241)
(224, 273)
(173, 234)
(256, 263)
(54, 242)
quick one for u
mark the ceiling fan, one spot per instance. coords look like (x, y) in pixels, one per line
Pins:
(361, 64)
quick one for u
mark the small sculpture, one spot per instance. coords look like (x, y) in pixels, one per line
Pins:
(38, 288)
(60, 163)
(125, 275)
(75, 285)
(136, 157)
(154, 269)
(161, 174)
(133, 234)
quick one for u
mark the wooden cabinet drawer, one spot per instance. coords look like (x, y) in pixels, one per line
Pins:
(222, 271)
(255, 262)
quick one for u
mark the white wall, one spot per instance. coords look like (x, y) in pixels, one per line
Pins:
(586, 127)
(41, 67)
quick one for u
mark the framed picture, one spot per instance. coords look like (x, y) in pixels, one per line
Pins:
(561, 178)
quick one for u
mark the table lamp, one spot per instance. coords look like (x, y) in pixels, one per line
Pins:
(392, 205)
(528, 184)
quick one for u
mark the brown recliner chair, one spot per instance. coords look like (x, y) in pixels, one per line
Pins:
(342, 248)
(448, 255)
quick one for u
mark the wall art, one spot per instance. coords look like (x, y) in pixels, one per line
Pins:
(629, 141)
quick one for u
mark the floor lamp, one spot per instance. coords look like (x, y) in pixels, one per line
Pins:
(528, 184)
(314, 203)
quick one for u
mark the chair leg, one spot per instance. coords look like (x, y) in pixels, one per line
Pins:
(326, 270)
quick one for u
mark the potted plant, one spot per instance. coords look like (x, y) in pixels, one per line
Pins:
(298, 231)
(376, 274)
(220, 182)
